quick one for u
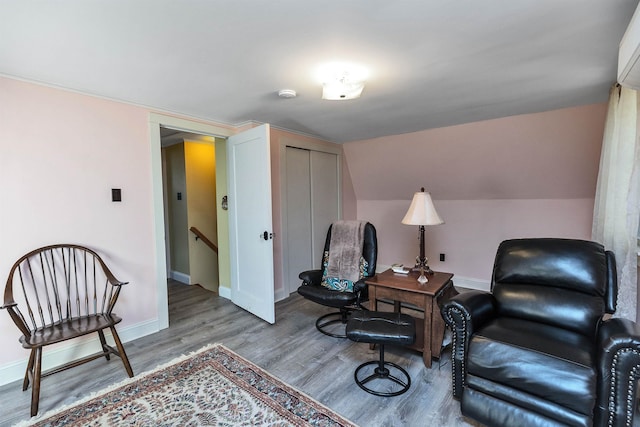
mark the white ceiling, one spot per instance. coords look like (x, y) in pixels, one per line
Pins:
(433, 63)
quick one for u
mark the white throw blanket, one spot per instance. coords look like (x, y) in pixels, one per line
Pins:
(345, 250)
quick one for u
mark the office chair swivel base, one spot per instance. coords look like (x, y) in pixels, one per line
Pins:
(382, 372)
(324, 322)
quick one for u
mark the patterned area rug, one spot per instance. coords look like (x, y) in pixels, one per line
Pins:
(211, 387)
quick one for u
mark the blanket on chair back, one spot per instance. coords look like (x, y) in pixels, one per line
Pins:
(345, 250)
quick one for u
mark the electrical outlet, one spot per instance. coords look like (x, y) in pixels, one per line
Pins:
(442, 257)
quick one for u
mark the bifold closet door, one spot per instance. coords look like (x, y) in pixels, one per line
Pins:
(324, 199)
(312, 205)
(298, 249)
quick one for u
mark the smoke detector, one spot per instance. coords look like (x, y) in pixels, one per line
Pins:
(287, 93)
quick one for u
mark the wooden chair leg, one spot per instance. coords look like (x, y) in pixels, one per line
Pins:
(103, 341)
(29, 371)
(123, 355)
(35, 391)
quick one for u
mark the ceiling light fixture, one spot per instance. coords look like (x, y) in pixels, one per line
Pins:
(342, 81)
(342, 89)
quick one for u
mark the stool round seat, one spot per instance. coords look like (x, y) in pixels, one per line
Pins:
(382, 328)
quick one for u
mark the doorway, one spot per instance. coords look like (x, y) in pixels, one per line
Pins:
(156, 121)
(242, 170)
(189, 189)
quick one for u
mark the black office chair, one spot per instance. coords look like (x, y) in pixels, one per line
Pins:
(537, 350)
(316, 284)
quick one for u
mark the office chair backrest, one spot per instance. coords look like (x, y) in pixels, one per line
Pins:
(369, 250)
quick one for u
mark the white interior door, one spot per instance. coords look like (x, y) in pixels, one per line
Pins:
(250, 221)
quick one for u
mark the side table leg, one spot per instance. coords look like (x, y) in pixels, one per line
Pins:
(428, 314)
(373, 301)
(438, 333)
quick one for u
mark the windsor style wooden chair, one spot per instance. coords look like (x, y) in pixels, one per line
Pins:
(57, 293)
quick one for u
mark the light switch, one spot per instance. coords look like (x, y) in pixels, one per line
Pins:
(116, 195)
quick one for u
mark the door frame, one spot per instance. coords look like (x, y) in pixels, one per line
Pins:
(155, 121)
(311, 146)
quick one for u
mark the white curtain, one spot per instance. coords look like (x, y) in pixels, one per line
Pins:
(617, 208)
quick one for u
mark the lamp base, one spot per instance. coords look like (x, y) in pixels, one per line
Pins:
(422, 266)
(422, 279)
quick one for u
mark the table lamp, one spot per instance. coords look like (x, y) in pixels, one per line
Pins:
(421, 213)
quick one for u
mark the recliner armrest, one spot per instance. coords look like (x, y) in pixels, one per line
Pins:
(476, 306)
(616, 333)
(618, 344)
(311, 277)
(465, 313)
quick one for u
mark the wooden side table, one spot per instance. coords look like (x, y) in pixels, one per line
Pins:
(406, 288)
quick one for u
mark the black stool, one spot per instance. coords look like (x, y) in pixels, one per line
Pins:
(382, 328)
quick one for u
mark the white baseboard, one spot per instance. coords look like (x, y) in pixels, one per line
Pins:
(477, 284)
(180, 277)
(75, 349)
(280, 295)
(224, 292)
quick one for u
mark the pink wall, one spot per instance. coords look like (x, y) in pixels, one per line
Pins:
(552, 155)
(349, 200)
(62, 153)
(528, 175)
(472, 231)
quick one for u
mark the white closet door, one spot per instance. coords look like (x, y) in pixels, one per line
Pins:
(324, 199)
(299, 242)
(312, 204)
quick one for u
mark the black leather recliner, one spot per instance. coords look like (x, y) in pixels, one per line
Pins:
(312, 289)
(537, 350)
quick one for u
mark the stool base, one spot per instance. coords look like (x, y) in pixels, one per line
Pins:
(383, 372)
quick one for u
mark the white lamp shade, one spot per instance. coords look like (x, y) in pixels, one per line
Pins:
(422, 211)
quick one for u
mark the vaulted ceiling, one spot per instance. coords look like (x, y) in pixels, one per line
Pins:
(433, 63)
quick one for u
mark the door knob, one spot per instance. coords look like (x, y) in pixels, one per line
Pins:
(266, 235)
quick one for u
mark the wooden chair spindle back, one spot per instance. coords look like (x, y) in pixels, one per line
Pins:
(55, 283)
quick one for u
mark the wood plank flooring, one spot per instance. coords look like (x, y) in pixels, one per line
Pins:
(292, 350)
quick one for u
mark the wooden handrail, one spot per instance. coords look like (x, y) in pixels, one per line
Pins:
(204, 238)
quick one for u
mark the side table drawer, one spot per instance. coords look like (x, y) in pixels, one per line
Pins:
(399, 295)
